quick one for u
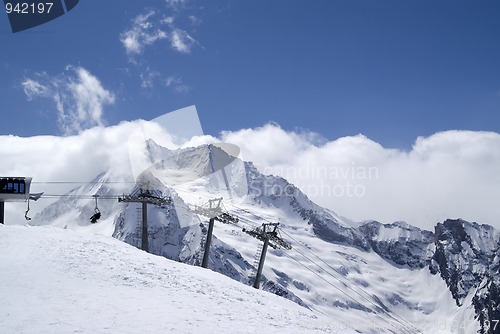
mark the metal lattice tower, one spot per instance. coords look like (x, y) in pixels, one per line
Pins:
(145, 197)
(214, 211)
(138, 228)
(268, 233)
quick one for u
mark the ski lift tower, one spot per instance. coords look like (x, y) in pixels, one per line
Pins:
(145, 197)
(269, 234)
(14, 189)
(213, 210)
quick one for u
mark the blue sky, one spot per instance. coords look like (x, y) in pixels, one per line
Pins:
(391, 70)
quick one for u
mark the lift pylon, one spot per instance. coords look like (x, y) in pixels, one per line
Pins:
(145, 197)
(214, 211)
(268, 233)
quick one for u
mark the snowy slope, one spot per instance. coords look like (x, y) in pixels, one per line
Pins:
(60, 281)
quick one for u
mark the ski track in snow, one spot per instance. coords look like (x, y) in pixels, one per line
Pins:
(61, 281)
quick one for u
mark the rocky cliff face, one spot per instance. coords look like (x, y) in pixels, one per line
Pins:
(401, 243)
(467, 258)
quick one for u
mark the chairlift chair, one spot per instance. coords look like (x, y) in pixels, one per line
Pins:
(97, 213)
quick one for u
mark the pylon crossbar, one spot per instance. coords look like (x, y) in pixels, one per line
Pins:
(142, 198)
(210, 213)
(145, 197)
(269, 231)
(214, 210)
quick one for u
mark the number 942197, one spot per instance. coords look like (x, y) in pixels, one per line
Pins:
(28, 8)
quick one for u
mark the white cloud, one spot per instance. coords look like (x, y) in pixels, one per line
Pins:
(148, 78)
(146, 30)
(181, 41)
(167, 20)
(176, 4)
(141, 34)
(78, 95)
(177, 83)
(76, 158)
(195, 21)
(33, 88)
(89, 97)
(183, 89)
(170, 81)
(448, 175)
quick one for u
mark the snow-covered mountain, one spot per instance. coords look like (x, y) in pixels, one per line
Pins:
(373, 277)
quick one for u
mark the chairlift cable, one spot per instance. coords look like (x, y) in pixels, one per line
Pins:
(349, 296)
(83, 182)
(329, 273)
(311, 261)
(106, 197)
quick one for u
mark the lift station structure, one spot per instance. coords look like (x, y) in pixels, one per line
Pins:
(15, 189)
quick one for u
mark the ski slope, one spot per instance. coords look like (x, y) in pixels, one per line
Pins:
(61, 281)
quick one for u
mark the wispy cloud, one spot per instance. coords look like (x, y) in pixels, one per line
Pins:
(78, 95)
(150, 29)
(148, 78)
(176, 4)
(151, 78)
(181, 41)
(33, 88)
(147, 29)
(167, 20)
(177, 84)
(142, 33)
(195, 21)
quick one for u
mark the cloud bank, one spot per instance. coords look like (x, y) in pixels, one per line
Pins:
(450, 174)
(76, 158)
(78, 95)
